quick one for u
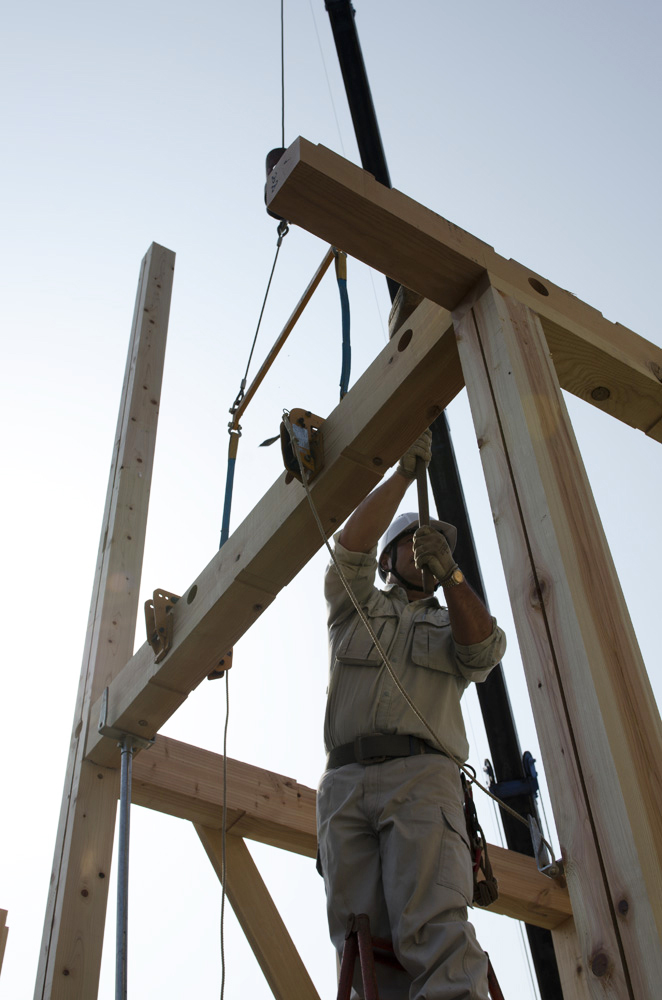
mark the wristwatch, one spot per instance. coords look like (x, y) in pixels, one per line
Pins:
(455, 578)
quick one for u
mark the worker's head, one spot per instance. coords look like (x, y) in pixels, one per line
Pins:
(395, 551)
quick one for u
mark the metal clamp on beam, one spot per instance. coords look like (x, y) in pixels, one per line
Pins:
(159, 622)
(546, 866)
(129, 740)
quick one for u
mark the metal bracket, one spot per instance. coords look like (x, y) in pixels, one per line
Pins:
(306, 431)
(159, 622)
(223, 665)
(552, 869)
(124, 739)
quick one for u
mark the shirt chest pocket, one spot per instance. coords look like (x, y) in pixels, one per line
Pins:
(432, 646)
(356, 646)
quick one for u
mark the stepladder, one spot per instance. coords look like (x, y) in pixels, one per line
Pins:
(360, 943)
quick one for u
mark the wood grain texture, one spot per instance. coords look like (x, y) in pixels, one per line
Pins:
(70, 953)
(4, 933)
(598, 725)
(260, 920)
(363, 436)
(186, 781)
(570, 962)
(525, 894)
(337, 201)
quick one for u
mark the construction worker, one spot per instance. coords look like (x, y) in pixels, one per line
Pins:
(391, 829)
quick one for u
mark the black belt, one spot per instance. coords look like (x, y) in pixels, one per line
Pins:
(375, 748)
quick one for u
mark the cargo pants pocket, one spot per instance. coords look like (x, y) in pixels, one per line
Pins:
(455, 869)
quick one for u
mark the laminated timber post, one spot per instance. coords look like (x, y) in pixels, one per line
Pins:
(597, 720)
(70, 955)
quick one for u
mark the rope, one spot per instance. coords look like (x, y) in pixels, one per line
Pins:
(235, 434)
(465, 768)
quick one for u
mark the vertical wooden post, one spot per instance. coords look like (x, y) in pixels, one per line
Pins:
(70, 953)
(572, 970)
(598, 725)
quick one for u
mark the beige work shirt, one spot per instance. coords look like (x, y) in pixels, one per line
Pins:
(434, 669)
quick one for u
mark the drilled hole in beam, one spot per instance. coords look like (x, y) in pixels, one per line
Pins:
(405, 339)
(538, 286)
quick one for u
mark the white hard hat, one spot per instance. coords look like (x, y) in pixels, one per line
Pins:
(409, 522)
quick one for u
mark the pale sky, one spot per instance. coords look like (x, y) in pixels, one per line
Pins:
(534, 127)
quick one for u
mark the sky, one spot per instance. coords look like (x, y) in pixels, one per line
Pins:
(534, 127)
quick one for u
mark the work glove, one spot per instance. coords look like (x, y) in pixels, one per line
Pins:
(433, 551)
(421, 448)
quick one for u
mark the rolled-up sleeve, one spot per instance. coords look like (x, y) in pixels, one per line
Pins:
(475, 661)
(359, 569)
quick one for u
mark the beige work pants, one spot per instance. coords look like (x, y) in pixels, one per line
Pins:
(393, 845)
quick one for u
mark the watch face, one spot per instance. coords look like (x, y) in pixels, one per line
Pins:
(458, 576)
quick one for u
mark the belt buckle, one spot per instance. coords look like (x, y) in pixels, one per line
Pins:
(366, 760)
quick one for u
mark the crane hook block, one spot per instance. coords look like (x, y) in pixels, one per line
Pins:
(273, 156)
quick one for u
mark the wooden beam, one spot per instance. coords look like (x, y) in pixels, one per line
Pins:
(570, 962)
(366, 433)
(4, 933)
(596, 717)
(260, 920)
(604, 363)
(525, 894)
(70, 953)
(185, 781)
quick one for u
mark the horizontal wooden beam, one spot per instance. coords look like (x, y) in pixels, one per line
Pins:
(186, 781)
(602, 362)
(366, 434)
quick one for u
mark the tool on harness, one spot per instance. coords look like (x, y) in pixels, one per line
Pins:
(487, 890)
(306, 438)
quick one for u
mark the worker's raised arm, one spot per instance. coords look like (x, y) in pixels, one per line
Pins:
(374, 514)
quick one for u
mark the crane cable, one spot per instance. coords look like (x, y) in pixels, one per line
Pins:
(234, 429)
(467, 769)
(235, 433)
